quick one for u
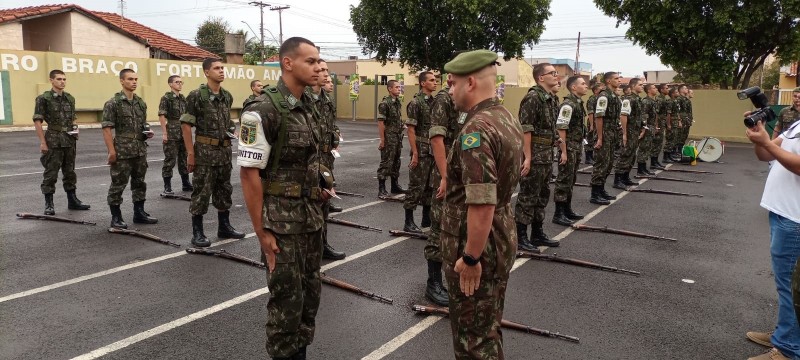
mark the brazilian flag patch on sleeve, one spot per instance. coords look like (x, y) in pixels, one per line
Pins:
(470, 141)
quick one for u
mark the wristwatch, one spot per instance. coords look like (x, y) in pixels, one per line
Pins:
(471, 261)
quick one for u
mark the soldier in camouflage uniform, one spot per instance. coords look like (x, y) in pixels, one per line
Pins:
(591, 135)
(571, 130)
(632, 131)
(788, 115)
(390, 130)
(126, 114)
(483, 170)
(330, 141)
(208, 109)
(281, 186)
(674, 131)
(444, 127)
(170, 109)
(650, 121)
(537, 114)
(664, 113)
(421, 165)
(56, 107)
(606, 119)
(255, 87)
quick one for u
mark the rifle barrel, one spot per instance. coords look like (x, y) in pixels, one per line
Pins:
(664, 178)
(576, 262)
(30, 216)
(143, 235)
(665, 192)
(352, 288)
(409, 234)
(345, 193)
(352, 224)
(609, 230)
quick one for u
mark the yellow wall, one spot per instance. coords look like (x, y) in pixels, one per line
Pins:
(787, 82)
(94, 79)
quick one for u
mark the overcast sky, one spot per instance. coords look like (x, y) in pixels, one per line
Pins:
(326, 22)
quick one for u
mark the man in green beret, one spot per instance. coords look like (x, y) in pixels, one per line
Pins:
(478, 237)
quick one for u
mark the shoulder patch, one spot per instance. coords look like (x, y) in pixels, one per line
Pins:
(564, 115)
(602, 104)
(626, 107)
(248, 132)
(470, 141)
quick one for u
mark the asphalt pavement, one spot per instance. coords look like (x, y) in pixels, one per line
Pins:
(69, 290)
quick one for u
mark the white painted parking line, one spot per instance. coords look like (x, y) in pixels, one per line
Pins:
(77, 168)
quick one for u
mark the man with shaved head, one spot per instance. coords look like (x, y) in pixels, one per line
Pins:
(478, 237)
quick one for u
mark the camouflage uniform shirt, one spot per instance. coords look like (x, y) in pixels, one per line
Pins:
(788, 116)
(537, 114)
(389, 113)
(58, 111)
(211, 114)
(572, 111)
(172, 107)
(127, 117)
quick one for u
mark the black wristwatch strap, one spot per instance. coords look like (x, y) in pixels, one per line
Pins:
(470, 261)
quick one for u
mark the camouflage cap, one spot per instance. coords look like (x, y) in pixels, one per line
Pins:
(471, 61)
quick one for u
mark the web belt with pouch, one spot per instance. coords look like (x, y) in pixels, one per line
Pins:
(290, 190)
(212, 141)
(542, 140)
(58, 128)
(133, 136)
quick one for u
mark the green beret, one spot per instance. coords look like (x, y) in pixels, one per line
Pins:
(470, 62)
(797, 89)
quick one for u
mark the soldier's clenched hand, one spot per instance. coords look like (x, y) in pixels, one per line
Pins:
(43, 147)
(112, 158)
(269, 245)
(164, 138)
(526, 167)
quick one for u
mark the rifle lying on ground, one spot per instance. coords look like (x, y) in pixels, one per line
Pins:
(345, 193)
(352, 288)
(694, 171)
(351, 224)
(142, 235)
(411, 234)
(176, 196)
(395, 198)
(664, 178)
(606, 229)
(53, 218)
(584, 172)
(665, 192)
(582, 184)
(576, 262)
(436, 310)
(226, 255)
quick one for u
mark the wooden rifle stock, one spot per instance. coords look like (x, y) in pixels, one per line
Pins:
(606, 229)
(176, 197)
(345, 193)
(143, 235)
(576, 262)
(351, 224)
(665, 192)
(664, 178)
(410, 234)
(352, 288)
(53, 218)
(226, 255)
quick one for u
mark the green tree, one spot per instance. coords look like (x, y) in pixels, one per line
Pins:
(255, 53)
(424, 34)
(722, 41)
(211, 35)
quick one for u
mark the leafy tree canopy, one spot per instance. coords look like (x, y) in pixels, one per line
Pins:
(211, 35)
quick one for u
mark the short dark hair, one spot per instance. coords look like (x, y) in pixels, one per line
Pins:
(55, 72)
(391, 83)
(422, 76)
(538, 69)
(125, 71)
(682, 86)
(608, 75)
(171, 78)
(596, 86)
(661, 87)
(253, 83)
(290, 45)
(672, 90)
(648, 86)
(624, 87)
(571, 81)
(634, 82)
(208, 61)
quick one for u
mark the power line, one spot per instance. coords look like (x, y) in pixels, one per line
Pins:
(279, 9)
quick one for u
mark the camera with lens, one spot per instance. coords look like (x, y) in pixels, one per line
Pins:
(760, 101)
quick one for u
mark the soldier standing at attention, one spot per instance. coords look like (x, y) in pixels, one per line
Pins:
(286, 210)
(478, 234)
(208, 109)
(330, 141)
(445, 124)
(569, 125)
(788, 115)
(390, 130)
(686, 120)
(421, 165)
(126, 114)
(537, 114)
(58, 146)
(591, 137)
(674, 126)
(650, 121)
(661, 135)
(170, 109)
(255, 87)
(632, 128)
(606, 121)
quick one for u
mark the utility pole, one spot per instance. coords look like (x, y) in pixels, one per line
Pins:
(280, 20)
(578, 56)
(261, 5)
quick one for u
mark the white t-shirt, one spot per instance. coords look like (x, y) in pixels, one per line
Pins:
(782, 190)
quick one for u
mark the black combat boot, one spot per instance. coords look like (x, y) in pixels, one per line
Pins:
(523, 243)
(539, 238)
(168, 185)
(655, 165)
(225, 229)
(73, 203)
(641, 169)
(187, 185)
(382, 188)
(426, 216)
(626, 179)
(329, 253)
(49, 208)
(396, 189)
(410, 225)
(333, 208)
(606, 195)
(618, 183)
(140, 216)
(597, 196)
(300, 355)
(589, 157)
(198, 238)
(435, 291)
(116, 218)
(559, 217)
(667, 157)
(568, 211)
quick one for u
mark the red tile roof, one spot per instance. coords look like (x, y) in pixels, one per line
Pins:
(126, 26)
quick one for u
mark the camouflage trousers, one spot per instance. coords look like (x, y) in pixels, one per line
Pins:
(60, 158)
(174, 151)
(419, 188)
(683, 137)
(534, 194)
(627, 153)
(475, 320)
(133, 169)
(604, 157)
(567, 174)
(214, 183)
(433, 248)
(657, 146)
(671, 138)
(294, 288)
(390, 156)
(645, 146)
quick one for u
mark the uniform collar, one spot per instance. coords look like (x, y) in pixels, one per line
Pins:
(483, 105)
(290, 99)
(55, 94)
